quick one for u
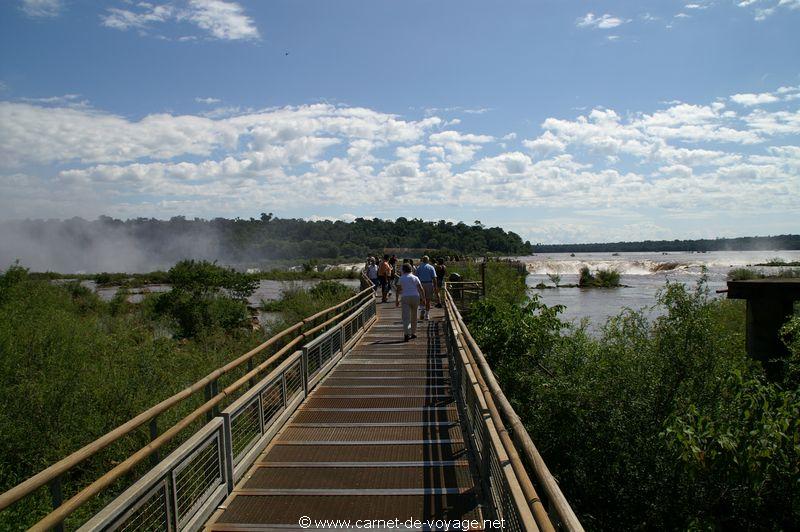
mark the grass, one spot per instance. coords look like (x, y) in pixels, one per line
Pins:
(297, 303)
(778, 261)
(749, 274)
(137, 280)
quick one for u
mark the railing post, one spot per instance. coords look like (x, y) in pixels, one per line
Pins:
(304, 370)
(283, 392)
(250, 365)
(57, 498)
(227, 450)
(211, 390)
(214, 392)
(154, 458)
(483, 277)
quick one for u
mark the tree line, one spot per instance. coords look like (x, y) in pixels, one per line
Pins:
(745, 243)
(268, 237)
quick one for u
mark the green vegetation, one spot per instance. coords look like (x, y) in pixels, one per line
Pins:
(297, 303)
(664, 423)
(748, 274)
(254, 240)
(138, 280)
(777, 261)
(73, 367)
(747, 243)
(205, 296)
(555, 278)
(600, 279)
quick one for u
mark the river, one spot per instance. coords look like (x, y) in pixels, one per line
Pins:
(643, 273)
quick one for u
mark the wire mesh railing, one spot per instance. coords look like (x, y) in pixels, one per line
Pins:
(203, 471)
(504, 452)
(241, 417)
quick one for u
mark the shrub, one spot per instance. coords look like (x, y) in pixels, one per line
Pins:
(602, 278)
(555, 278)
(204, 296)
(68, 375)
(297, 303)
(744, 274)
(664, 422)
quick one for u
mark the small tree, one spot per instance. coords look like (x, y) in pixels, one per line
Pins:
(556, 278)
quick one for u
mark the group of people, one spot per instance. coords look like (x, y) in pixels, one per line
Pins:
(414, 286)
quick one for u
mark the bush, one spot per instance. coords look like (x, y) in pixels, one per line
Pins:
(69, 373)
(297, 303)
(601, 279)
(662, 423)
(744, 274)
(205, 296)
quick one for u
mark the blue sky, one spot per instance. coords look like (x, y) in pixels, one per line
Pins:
(561, 120)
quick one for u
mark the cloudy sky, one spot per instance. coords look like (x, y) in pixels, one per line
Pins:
(565, 121)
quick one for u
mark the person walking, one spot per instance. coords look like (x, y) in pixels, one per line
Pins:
(427, 276)
(412, 294)
(441, 273)
(372, 273)
(395, 272)
(384, 274)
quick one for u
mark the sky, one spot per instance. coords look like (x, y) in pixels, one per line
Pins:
(561, 120)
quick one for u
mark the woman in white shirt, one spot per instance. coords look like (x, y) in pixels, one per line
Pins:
(412, 294)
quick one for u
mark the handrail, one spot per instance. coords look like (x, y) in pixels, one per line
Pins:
(522, 439)
(65, 464)
(533, 500)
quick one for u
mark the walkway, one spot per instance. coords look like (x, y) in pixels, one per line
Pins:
(379, 438)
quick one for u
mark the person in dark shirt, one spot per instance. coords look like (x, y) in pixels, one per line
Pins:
(441, 271)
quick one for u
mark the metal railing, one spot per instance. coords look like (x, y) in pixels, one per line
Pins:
(181, 491)
(504, 450)
(464, 293)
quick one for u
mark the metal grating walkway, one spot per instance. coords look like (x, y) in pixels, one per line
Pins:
(379, 438)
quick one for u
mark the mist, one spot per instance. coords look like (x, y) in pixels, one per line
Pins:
(105, 245)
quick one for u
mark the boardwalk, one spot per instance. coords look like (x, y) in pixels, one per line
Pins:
(339, 422)
(379, 438)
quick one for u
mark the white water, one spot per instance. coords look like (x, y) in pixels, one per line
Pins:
(644, 273)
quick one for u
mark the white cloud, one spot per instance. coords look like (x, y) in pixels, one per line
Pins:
(207, 101)
(42, 135)
(546, 144)
(680, 158)
(749, 99)
(602, 22)
(763, 9)
(220, 19)
(223, 20)
(41, 8)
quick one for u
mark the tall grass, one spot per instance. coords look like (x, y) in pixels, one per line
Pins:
(297, 303)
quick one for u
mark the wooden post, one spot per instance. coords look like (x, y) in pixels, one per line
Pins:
(154, 458)
(483, 277)
(770, 303)
(57, 498)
